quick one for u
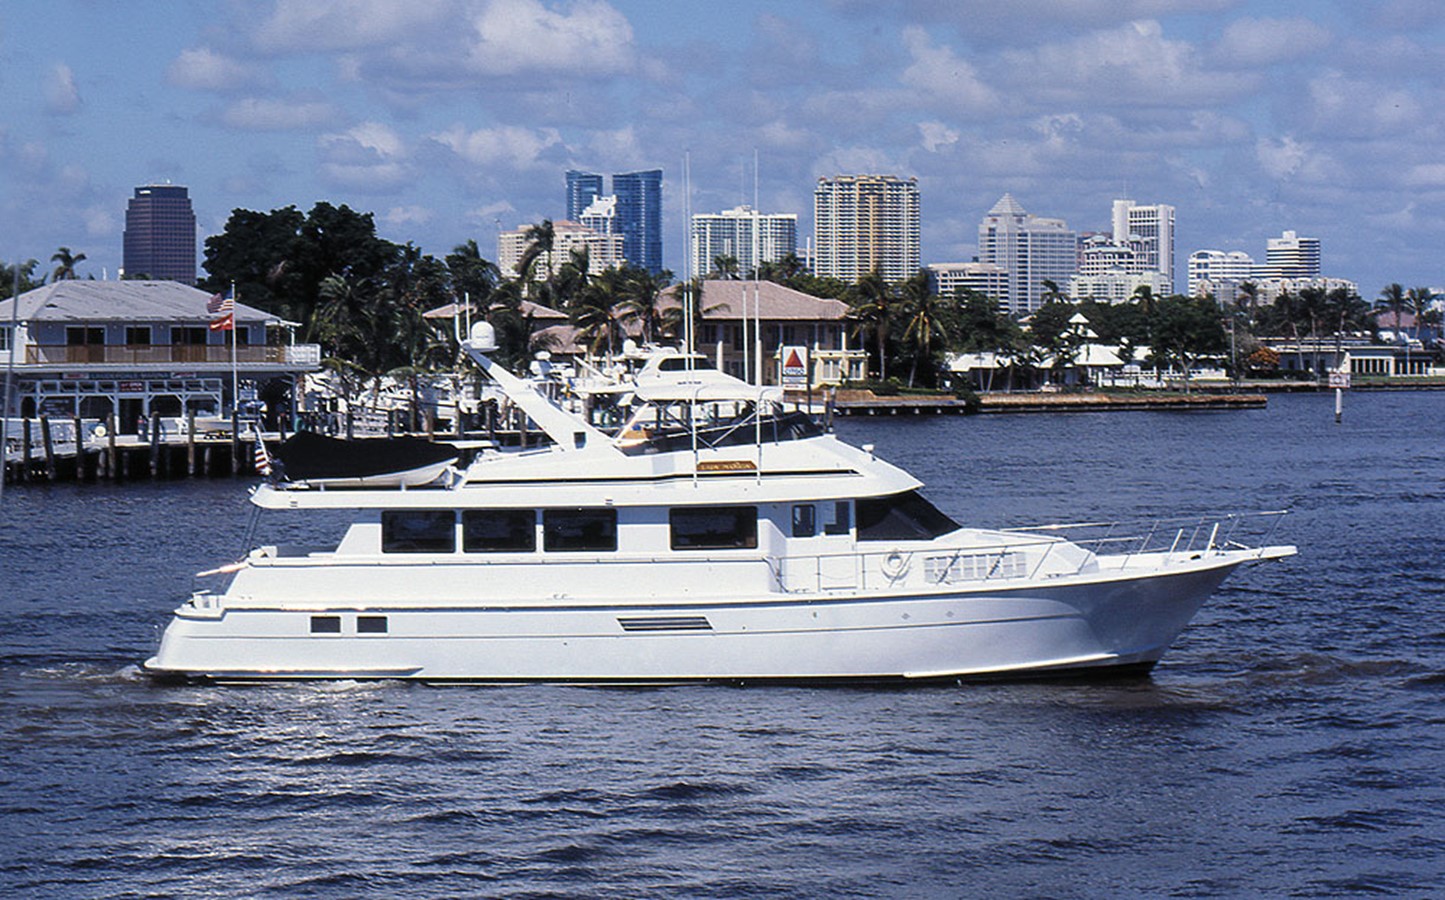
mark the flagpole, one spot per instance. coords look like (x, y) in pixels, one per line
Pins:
(235, 377)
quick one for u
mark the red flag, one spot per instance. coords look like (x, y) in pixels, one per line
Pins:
(224, 323)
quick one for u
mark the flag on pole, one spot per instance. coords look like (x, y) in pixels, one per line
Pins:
(224, 305)
(262, 459)
(223, 302)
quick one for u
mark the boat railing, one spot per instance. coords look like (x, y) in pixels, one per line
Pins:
(1047, 551)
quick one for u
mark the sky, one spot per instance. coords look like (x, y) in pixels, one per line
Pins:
(452, 119)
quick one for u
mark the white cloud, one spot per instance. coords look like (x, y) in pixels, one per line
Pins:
(509, 145)
(1262, 42)
(1426, 175)
(203, 69)
(936, 135)
(398, 216)
(100, 221)
(259, 114)
(1341, 105)
(1133, 65)
(310, 25)
(370, 156)
(490, 214)
(942, 76)
(522, 35)
(62, 97)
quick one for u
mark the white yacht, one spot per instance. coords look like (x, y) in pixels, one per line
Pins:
(713, 537)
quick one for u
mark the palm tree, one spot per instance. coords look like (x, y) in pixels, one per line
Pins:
(1419, 300)
(540, 239)
(925, 320)
(592, 312)
(65, 264)
(1392, 297)
(872, 301)
(725, 266)
(641, 292)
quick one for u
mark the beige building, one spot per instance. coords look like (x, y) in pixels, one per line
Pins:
(863, 222)
(604, 251)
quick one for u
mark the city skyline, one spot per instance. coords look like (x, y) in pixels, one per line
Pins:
(453, 119)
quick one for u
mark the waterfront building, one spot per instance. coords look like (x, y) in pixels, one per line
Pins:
(728, 334)
(160, 234)
(1219, 273)
(582, 189)
(866, 222)
(750, 237)
(947, 279)
(1030, 248)
(137, 348)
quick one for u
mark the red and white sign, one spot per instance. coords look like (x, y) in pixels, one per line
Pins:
(795, 367)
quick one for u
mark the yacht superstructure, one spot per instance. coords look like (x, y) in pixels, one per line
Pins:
(713, 536)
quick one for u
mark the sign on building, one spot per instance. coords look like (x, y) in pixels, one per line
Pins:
(795, 367)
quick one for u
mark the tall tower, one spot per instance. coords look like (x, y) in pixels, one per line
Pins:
(1032, 249)
(160, 234)
(863, 222)
(1149, 231)
(582, 189)
(639, 217)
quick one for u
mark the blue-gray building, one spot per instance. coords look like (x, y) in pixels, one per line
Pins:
(160, 234)
(582, 189)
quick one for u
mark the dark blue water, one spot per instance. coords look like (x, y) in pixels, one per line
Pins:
(1291, 744)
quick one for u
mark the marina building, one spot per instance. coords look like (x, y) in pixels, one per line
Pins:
(750, 237)
(160, 234)
(866, 222)
(1030, 248)
(735, 311)
(136, 348)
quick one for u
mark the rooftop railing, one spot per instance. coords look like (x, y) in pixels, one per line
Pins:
(166, 354)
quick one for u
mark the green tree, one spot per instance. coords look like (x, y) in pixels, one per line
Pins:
(540, 239)
(21, 275)
(929, 323)
(1185, 329)
(873, 305)
(725, 267)
(640, 302)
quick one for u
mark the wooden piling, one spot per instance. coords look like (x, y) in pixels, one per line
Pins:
(155, 445)
(48, 443)
(112, 470)
(191, 444)
(25, 450)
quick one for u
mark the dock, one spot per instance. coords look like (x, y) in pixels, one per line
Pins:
(865, 403)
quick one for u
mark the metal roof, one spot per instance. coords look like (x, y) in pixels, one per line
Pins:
(74, 300)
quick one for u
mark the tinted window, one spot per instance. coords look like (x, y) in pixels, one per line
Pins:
(841, 521)
(499, 530)
(901, 517)
(579, 529)
(714, 527)
(371, 624)
(325, 624)
(418, 531)
(805, 520)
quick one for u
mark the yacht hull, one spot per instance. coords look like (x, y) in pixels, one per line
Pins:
(1108, 622)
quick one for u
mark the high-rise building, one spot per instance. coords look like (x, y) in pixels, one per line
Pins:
(604, 251)
(1210, 271)
(1032, 249)
(1291, 256)
(639, 217)
(1149, 232)
(947, 279)
(160, 234)
(863, 222)
(744, 234)
(582, 189)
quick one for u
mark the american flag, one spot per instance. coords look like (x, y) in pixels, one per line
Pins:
(223, 302)
(263, 459)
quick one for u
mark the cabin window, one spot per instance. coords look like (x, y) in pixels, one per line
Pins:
(579, 529)
(499, 530)
(842, 519)
(714, 527)
(325, 624)
(138, 335)
(418, 531)
(805, 520)
(901, 517)
(371, 624)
